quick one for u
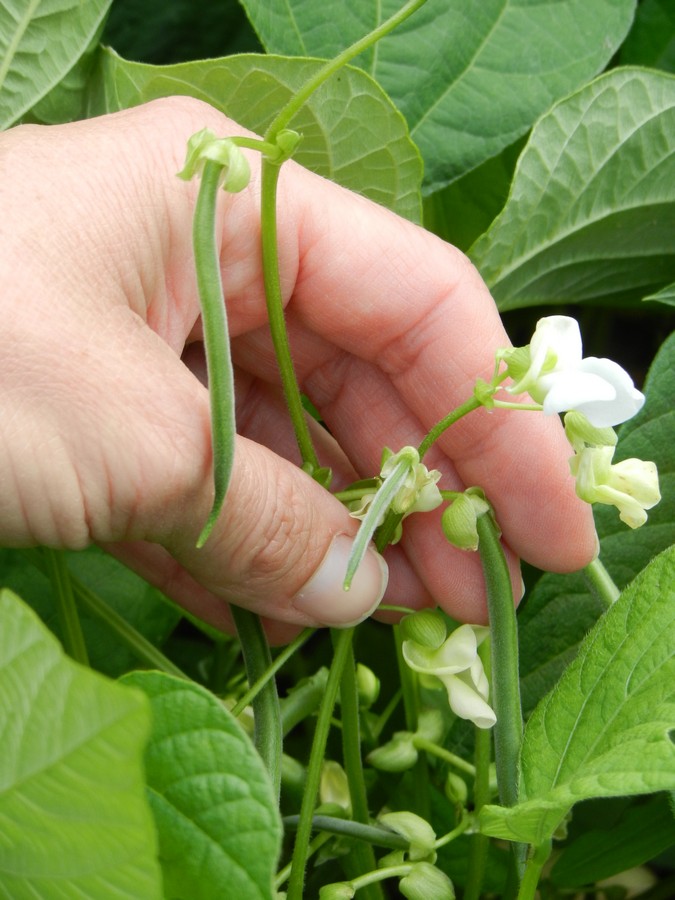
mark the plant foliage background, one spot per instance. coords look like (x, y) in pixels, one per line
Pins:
(538, 137)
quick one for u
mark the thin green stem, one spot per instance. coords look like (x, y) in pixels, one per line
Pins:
(300, 849)
(364, 858)
(445, 423)
(269, 673)
(381, 875)
(296, 103)
(73, 638)
(139, 645)
(421, 743)
(267, 716)
(479, 843)
(216, 339)
(314, 846)
(536, 862)
(411, 706)
(275, 313)
(372, 834)
(601, 584)
(455, 833)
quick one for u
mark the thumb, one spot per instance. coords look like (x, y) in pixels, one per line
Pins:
(280, 546)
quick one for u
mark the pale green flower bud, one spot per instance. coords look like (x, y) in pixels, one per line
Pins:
(205, 145)
(426, 627)
(425, 882)
(580, 433)
(460, 517)
(396, 755)
(430, 725)
(367, 685)
(456, 789)
(341, 890)
(416, 830)
(334, 787)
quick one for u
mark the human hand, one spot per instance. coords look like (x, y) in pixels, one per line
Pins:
(106, 426)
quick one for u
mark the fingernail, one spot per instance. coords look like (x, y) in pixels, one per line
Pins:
(323, 596)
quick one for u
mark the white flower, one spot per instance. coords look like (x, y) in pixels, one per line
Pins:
(457, 664)
(554, 374)
(632, 485)
(419, 492)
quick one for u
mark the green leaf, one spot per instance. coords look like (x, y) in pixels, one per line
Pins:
(665, 295)
(469, 80)
(350, 131)
(561, 609)
(592, 205)
(607, 729)
(219, 828)
(651, 40)
(641, 833)
(74, 817)
(40, 42)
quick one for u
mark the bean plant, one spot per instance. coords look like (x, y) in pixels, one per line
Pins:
(146, 755)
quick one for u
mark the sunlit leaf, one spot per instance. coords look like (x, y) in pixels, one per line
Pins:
(591, 211)
(40, 42)
(607, 728)
(470, 78)
(350, 131)
(215, 810)
(74, 817)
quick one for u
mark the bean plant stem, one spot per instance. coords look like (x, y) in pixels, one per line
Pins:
(411, 707)
(298, 100)
(535, 864)
(269, 673)
(601, 584)
(364, 858)
(421, 743)
(73, 638)
(216, 339)
(275, 313)
(300, 850)
(445, 423)
(373, 834)
(267, 716)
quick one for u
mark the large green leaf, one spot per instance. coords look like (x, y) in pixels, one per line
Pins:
(217, 818)
(74, 819)
(40, 42)
(469, 78)
(607, 729)
(350, 131)
(561, 609)
(591, 211)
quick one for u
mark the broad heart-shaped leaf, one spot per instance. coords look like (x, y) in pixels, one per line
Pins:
(350, 131)
(219, 828)
(40, 42)
(608, 728)
(74, 818)
(591, 211)
(470, 78)
(561, 609)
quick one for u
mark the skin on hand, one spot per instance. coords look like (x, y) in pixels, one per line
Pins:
(105, 415)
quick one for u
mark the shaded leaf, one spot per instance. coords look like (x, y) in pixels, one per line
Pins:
(561, 609)
(140, 604)
(606, 730)
(74, 817)
(643, 832)
(592, 205)
(350, 131)
(216, 814)
(40, 42)
(665, 295)
(470, 79)
(651, 40)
